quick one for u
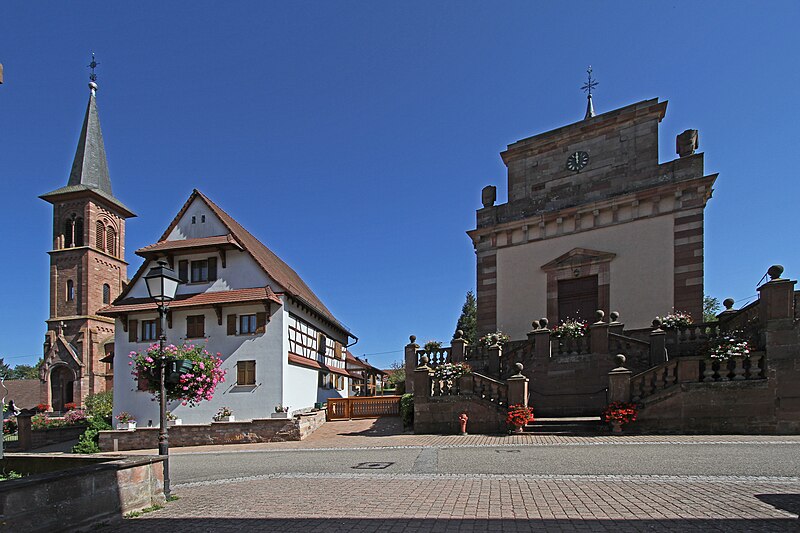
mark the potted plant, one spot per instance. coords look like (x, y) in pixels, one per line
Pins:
(224, 415)
(432, 346)
(620, 413)
(493, 338)
(126, 421)
(42, 407)
(570, 329)
(281, 411)
(173, 420)
(676, 319)
(518, 416)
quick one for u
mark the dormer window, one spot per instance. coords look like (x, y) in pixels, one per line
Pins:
(203, 219)
(194, 220)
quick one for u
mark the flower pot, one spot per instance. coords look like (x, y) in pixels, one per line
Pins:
(176, 422)
(279, 415)
(126, 426)
(518, 429)
(616, 427)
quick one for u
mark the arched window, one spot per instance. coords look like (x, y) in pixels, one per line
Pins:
(70, 290)
(111, 241)
(78, 239)
(106, 293)
(100, 231)
(69, 241)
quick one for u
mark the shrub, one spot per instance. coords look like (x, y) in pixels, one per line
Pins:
(89, 441)
(432, 346)
(100, 405)
(407, 410)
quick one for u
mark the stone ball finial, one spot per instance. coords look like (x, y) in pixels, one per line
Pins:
(519, 367)
(775, 271)
(412, 339)
(424, 360)
(543, 323)
(459, 334)
(728, 303)
(620, 359)
(614, 316)
(656, 323)
(488, 196)
(598, 315)
(535, 324)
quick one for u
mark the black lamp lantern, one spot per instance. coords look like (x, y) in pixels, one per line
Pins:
(162, 283)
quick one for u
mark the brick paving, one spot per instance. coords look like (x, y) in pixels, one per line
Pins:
(365, 501)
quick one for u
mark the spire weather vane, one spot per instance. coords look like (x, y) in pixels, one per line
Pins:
(93, 65)
(590, 83)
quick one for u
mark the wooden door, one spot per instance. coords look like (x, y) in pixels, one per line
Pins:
(577, 299)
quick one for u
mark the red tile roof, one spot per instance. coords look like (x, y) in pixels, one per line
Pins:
(129, 305)
(299, 360)
(273, 266)
(26, 393)
(183, 244)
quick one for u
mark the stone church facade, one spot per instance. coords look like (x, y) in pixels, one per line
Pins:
(87, 272)
(593, 221)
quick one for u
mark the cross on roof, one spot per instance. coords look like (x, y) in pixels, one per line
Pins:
(93, 65)
(590, 83)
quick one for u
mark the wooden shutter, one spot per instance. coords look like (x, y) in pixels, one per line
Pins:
(212, 268)
(261, 322)
(241, 374)
(183, 270)
(133, 326)
(231, 324)
(338, 350)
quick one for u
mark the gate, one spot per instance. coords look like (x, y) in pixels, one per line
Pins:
(363, 407)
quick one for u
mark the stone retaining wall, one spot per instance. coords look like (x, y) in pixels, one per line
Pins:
(259, 430)
(74, 493)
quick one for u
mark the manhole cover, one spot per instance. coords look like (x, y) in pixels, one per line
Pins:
(372, 466)
(507, 451)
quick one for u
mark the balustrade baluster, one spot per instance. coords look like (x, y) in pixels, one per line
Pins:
(723, 371)
(635, 395)
(754, 372)
(738, 369)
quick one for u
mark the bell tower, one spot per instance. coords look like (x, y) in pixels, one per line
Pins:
(87, 271)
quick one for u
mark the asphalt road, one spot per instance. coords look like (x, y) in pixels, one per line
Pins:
(690, 459)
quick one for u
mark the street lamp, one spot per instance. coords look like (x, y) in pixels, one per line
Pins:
(162, 283)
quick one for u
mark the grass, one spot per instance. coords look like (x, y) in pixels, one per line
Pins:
(136, 514)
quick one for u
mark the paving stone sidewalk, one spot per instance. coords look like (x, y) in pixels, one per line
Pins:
(367, 502)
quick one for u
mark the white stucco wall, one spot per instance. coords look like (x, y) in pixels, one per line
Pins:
(246, 402)
(186, 230)
(641, 273)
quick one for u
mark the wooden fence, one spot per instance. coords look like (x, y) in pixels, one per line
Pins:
(363, 407)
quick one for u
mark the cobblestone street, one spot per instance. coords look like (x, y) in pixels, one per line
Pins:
(380, 500)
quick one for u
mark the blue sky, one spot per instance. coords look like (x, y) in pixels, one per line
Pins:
(353, 138)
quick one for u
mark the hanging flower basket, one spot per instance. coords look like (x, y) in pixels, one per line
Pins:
(192, 373)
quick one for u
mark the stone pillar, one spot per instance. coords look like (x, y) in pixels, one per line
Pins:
(466, 384)
(458, 347)
(729, 311)
(541, 339)
(495, 353)
(411, 363)
(518, 388)
(619, 382)
(24, 429)
(777, 296)
(658, 344)
(598, 334)
(421, 378)
(688, 370)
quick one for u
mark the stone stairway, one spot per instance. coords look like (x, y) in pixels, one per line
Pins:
(576, 426)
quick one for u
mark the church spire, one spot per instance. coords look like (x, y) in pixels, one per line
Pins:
(89, 167)
(587, 88)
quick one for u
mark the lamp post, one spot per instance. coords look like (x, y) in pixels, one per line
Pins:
(162, 283)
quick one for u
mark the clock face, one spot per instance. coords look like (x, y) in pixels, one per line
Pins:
(577, 161)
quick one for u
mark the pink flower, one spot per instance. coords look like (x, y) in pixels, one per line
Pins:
(130, 363)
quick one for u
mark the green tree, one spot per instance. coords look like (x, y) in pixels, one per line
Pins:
(711, 308)
(398, 374)
(468, 321)
(100, 405)
(27, 371)
(5, 370)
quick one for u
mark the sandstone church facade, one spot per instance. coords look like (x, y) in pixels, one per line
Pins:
(593, 221)
(87, 271)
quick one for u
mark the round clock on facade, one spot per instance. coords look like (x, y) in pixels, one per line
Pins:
(577, 161)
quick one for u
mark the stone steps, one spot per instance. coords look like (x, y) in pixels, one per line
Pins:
(567, 426)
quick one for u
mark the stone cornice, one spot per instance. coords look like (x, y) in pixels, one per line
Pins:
(89, 249)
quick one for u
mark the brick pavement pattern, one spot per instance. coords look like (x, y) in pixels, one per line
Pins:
(366, 501)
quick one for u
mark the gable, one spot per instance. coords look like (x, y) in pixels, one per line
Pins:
(197, 221)
(578, 257)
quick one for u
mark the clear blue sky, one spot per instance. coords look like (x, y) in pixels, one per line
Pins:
(353, 138)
